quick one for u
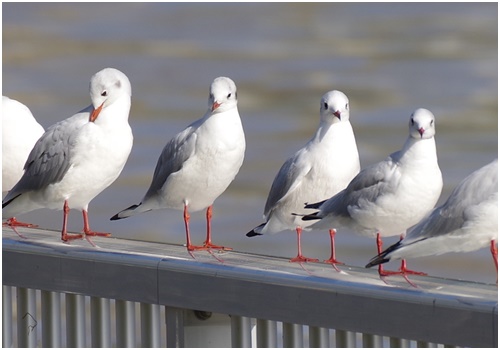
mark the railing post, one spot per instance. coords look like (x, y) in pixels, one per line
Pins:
(100, 325)
(399, 343)
(125, 324)
(241, 332)
(319, 337)
(7, 317)
(267, 334)
(174, 318)
(51, 319)
(75, 321)
(293, 335)
(26, 318)
(372, 341)
(150, 326)
(345, 339)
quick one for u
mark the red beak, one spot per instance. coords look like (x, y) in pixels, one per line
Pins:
(95, 113)
(421, 131)
(215, 105)
(337, 114)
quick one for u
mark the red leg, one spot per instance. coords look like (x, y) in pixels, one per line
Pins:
(300, 257)
(332, 259)
(189, 246)
(64, 233)
(402, 270)
(86, 227)
(208, 242)
(494, 253)
(13, 223)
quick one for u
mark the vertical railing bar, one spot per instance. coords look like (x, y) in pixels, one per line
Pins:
(125, 324)
(75, 321)
(241, 332)
(372, 341)
(267, 334)
(319, 337)
(293, 335)
(150, 326)
(424, 344)
(399, 343)
(345, 339)
(174, 319)
(7, 319)
(51, 319)
(26, 318)
(100, 322)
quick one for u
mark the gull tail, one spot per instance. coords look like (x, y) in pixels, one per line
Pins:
(256, 231)
(132, 210)
(382, 257)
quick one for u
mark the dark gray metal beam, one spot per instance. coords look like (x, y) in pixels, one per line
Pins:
(442, 311)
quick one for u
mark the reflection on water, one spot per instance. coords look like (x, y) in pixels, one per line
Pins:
(388, 58)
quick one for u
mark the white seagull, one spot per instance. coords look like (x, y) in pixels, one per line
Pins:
(389, 197)
(77, 158)
(199, 163)
(20, 131)
(467, 221)
(320, 169)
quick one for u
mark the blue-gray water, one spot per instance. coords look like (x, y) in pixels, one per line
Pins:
(388, 58)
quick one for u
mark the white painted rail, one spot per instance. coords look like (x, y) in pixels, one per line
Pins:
(130, 293)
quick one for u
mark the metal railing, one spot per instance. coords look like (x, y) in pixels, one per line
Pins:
(130, 293)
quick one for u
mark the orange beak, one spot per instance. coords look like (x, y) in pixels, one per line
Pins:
(95, 113)
(215, 105)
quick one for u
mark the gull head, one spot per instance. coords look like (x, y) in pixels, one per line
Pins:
(223, 95)
(107, 86)
(334, 107)
(422, 124)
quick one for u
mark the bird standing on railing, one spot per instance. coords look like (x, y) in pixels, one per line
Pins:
(20, 131)
(199, 163)
(389, 197)
(322, 168)
(467, 221)
(77, 158)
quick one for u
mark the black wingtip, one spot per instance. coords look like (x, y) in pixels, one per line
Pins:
(4, 204)
(381, 258)
(313, 216)
(115, 217)
(253, 233)
(118, 217)
(314, 205)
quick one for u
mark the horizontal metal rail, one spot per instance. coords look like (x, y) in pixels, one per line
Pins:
(245, 286)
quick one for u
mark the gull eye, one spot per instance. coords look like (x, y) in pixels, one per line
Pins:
(412, 121)
(325, 105)
(104, 93)
(229, 95)
(347, 106)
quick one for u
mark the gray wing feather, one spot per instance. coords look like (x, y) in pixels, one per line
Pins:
(287, 178)
(365, 187)
(50, 158)
(172, 158)
(452, 214)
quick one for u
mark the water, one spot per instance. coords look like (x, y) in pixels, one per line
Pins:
(388, 58)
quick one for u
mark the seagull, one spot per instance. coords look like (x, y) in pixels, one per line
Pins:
(467, 221)
(389, 197)
(322, 168)
(199, 163)
(77, 158)
(20, 131)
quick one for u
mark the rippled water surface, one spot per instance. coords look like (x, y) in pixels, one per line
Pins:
(388, 58)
